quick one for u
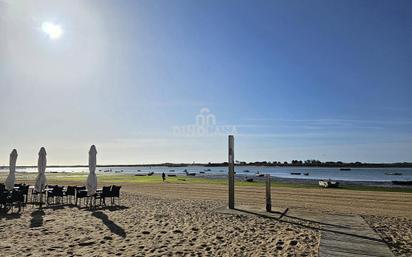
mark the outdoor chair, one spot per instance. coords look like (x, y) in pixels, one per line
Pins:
(25, 190)
(70, 193)
(3, 200)
(115, 193)
(16, 198)
(81, 193)
(106, 192)
(38, 196)
(57, 194)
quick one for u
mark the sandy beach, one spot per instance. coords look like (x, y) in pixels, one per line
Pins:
(170, 219)
(151, 226)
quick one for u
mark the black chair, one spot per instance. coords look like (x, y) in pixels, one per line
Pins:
(37, 197)
(2, 187)
(16, 198)
(105, 193)
(57, 194)
(25, 190)
(3, 200)
(70, 193)
(81, 193)
(115, 193)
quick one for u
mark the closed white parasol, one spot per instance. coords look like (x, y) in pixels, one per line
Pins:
(41, 166)
(11, 178)
(91, 183)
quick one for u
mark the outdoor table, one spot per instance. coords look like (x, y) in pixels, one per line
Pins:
(98, 190)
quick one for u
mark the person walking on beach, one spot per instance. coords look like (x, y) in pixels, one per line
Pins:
(163, 176)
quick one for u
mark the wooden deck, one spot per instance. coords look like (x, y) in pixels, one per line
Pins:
(341, 235)
(350, 236)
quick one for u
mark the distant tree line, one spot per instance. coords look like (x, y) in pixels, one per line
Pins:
(317, 163)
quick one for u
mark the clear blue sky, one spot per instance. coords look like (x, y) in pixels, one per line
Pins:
(328, 80)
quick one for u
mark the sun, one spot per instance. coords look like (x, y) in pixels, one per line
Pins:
(53, 31)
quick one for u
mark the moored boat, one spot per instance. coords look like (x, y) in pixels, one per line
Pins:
(328, 183)
(402, 182)
(189, 174)
(295, 173)
(393, 173)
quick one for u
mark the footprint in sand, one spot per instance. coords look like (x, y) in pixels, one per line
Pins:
(293, 242)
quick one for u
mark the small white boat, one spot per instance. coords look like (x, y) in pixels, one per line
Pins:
(393, 173)
(189, 173)
(328, 183)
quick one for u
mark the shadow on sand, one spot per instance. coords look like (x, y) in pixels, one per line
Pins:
(37, 218)
(9, 216)
(114, 228)
(297, 223)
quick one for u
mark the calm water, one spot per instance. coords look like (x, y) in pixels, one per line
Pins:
(355, 174)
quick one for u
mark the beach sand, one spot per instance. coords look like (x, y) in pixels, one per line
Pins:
(169, 219)
(151, 226)
(396, 231)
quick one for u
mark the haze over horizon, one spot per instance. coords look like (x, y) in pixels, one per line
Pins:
(292, 80)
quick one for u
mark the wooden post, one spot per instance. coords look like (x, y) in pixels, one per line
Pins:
(231, 165)
(268, 195)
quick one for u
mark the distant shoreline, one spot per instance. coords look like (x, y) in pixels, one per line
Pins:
(224, 164)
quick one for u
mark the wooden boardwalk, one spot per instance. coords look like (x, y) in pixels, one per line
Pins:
(341, 235)
(350, 236)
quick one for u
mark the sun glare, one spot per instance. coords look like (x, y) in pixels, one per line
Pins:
(53, 31)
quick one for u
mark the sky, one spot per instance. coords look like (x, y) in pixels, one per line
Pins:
(166, 81)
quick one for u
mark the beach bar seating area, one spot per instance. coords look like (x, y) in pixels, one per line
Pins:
(15, 198)
(54, 195)
(17, 195)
